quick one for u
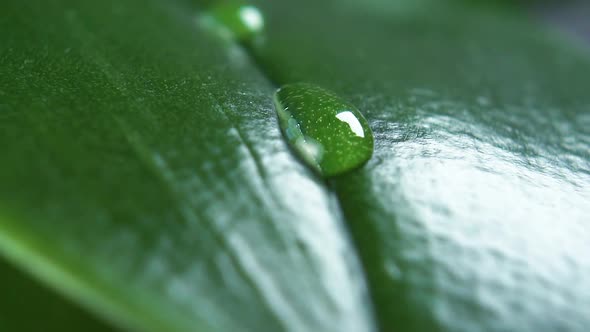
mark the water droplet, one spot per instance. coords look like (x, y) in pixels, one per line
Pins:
(234, 20)
(328, 133)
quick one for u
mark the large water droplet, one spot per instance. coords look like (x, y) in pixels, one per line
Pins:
(234, 20)
(328, 133)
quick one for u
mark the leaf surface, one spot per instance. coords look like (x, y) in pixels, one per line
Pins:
(143, 175)
(473, 213)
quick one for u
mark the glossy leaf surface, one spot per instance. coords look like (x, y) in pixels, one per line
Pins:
(473, 213)
(143, 174)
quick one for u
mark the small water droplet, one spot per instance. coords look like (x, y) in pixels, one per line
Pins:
(328, 133)
(234, 20)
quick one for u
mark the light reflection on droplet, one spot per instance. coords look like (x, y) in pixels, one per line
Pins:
(252, 18)
(352, 121)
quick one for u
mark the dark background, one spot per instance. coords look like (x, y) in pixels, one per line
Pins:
(573, 17)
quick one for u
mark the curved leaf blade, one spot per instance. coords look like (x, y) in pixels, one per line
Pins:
(472, 214)
(143, 174)
(32, 305)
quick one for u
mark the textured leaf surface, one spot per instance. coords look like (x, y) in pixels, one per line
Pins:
(473, 213)
(143, 174)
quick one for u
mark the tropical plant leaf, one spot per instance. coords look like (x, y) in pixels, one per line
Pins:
(143, 175)
(473, 213)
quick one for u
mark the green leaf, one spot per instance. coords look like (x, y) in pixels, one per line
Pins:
(26, 306)
(473, 213)
(144, 176)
